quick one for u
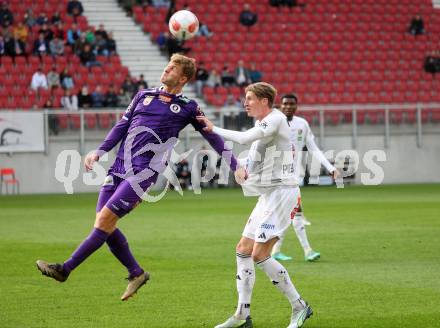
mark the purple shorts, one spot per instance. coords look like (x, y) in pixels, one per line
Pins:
(121, 195)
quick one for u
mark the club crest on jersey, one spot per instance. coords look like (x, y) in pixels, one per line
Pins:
(175, 108)
(164, 99)
(148, 100)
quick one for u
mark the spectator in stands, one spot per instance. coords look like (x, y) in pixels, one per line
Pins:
(73, 34)
(102, 32)
(128, 86)
(66, 79)
(242, 77)
(162, 40)
(6, 16)
(87, 57)
(39, 80)
(53, 78)
(2, 46)
(124, 98)
(174, 46)
(254, 74)
(247, 17)
(14, 47)
(90, 36)
(48, 34)
(79, 44)
(69, 101)
(41, 46)
(183, 173)
(228, 79)
(417, 26)
(432, 62)
(141, 83)
(56, 47)
(42, 19)
(111, 97)
(84, 98)
(98, 97)
(160, 3)
(28, 18)
(75, 8)
(111, 44)
(214, 79)
(171, 10)
(204, 30)
(201, 77)
(58, 31)
(21, 32)
(100, 46)
(56, 18)
(52, 118)
(9, 45)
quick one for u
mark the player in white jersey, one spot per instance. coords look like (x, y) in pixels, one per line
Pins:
(269, 174)
(300, 136)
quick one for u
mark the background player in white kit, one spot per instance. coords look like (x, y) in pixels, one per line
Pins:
(300, 135)
(268, 174)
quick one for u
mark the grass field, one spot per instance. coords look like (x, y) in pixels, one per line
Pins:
(380, 263)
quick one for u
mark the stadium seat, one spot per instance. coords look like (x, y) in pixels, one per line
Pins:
(8, 178)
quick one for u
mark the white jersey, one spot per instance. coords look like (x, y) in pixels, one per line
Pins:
(301, 135)
(270, 160)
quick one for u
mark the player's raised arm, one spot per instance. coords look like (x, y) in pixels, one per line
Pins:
(216, 142)
(313, 148)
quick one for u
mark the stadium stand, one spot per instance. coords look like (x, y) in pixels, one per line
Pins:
(329, 52)
(16, 72)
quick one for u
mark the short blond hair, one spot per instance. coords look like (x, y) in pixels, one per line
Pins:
(188, 65)
(263, 90)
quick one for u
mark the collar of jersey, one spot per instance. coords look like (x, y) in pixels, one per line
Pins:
(162, 89)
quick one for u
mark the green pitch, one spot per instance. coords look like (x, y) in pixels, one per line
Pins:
(380, 263)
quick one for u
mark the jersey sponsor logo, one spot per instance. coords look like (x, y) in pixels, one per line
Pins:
(148, 100)
(263, 125)
(108, 181)
(165, 99)
(175, 108)
(267, 226)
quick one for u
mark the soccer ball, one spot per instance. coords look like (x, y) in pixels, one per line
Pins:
(183, 25)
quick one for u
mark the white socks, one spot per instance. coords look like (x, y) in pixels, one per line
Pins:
(245, 285)
(280, 278)
(298, 225)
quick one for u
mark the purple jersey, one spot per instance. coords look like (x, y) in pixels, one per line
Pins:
(153, 118)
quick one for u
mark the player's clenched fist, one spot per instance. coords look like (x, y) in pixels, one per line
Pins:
(90, 159)
(241, 175)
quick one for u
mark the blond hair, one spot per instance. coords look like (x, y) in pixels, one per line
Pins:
(263, 90)
(188, 65)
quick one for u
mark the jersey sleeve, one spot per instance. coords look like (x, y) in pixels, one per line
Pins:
(313, 148)
(270, 125)
(120, 129)
(214, 140)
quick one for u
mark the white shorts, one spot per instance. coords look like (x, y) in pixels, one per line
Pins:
(271, 216)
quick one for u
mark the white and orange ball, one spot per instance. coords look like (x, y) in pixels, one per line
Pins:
(183, 25)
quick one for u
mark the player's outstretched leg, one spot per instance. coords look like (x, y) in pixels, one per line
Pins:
(280, 278)
(60, 272)
(276, 251)
(309, 254)
(136, 276)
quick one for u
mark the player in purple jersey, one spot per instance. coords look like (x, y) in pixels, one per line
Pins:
(148, 131)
